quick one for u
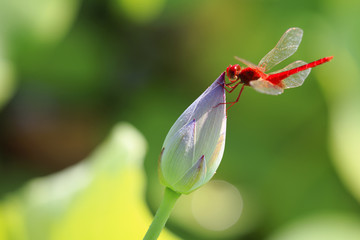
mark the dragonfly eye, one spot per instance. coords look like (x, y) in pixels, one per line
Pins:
(233, 71)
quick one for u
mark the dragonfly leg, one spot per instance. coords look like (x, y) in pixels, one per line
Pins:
(232, 87)
(229, 86)
(231, 82)
(237, 99)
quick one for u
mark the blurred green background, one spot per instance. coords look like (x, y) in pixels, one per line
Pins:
(71, 70)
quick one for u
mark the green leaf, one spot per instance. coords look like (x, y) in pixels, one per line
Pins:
(100, 198)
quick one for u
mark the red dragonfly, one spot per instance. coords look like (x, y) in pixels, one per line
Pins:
(273, 83)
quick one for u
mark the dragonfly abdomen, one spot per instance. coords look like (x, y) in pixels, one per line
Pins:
(278, 77)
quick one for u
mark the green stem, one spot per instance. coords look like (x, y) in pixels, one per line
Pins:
(162, 214)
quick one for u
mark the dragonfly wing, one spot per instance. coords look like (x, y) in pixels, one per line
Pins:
(246, 62)
(287, 46)
(266, 87)
(297, 79)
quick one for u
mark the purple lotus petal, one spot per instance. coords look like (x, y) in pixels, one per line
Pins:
(194, 176)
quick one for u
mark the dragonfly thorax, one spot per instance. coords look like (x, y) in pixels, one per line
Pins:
(248, 74)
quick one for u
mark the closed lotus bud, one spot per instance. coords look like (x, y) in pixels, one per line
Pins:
(194, 146)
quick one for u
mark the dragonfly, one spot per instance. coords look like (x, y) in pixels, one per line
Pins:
(272, 83)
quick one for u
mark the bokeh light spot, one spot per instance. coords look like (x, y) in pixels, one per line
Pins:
(7, 81)
(329, 226)
(217, 206)
(140, 10)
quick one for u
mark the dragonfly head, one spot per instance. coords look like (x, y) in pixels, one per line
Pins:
(233, 71)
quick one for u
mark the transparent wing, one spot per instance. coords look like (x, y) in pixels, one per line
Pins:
(266, 87)
(287, 46)
(297, 79)
(246, 62)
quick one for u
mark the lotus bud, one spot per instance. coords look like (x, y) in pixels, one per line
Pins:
(194, 146)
